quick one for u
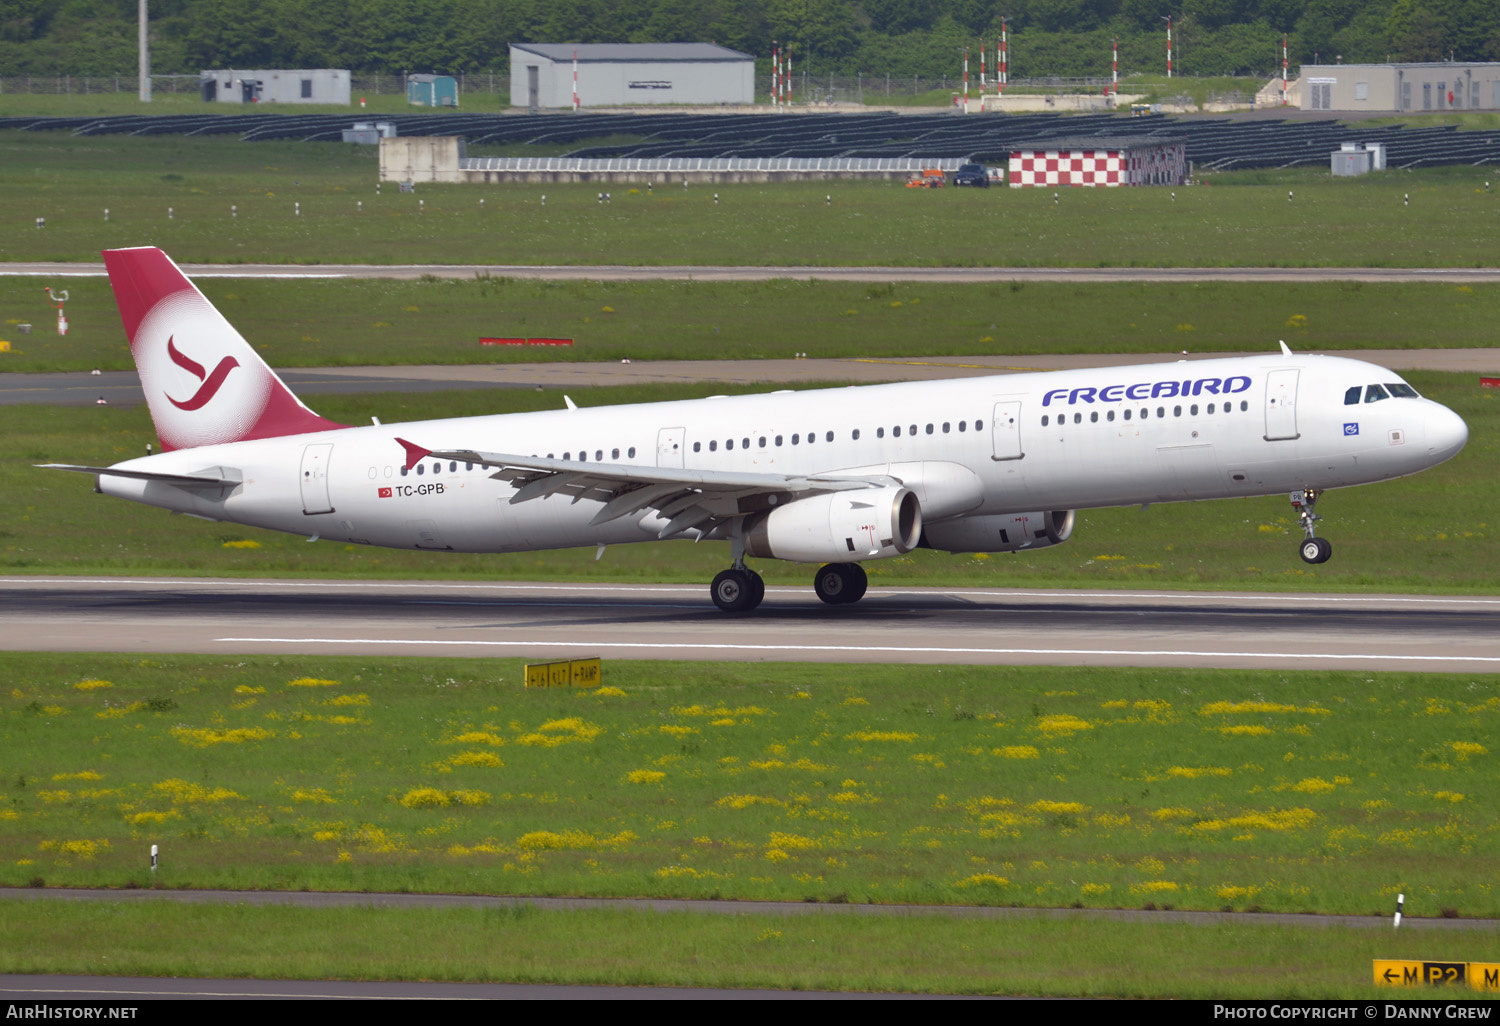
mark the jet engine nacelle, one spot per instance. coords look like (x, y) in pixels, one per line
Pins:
(1010, 532)
(840, 527)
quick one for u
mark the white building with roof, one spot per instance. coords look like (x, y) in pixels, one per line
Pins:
(1401, 88)
(628, 74)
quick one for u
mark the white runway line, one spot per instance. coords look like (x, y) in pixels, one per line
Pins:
(870, 649)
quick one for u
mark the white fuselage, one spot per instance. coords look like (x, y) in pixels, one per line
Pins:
(1005, 444)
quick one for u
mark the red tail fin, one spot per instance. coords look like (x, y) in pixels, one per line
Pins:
(203, 382)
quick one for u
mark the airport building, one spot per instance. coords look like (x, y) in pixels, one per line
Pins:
(324, 85)
(1400, 88)
(627, 74)
(1099, 162)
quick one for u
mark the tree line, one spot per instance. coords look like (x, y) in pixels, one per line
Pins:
(905, 38)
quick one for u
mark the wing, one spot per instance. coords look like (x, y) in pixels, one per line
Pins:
(686, 499)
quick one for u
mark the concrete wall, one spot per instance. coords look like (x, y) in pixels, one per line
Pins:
(421, 159)
(1019, 103)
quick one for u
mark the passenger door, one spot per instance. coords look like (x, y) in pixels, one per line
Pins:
(1281, 405)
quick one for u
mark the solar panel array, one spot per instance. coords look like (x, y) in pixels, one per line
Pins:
(1215, 143)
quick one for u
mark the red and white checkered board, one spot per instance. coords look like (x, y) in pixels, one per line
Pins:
(1067, 167)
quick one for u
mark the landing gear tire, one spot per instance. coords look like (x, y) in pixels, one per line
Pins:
(858, 583)
(839, 584)
(1304, 505)
(737, 591)
(757, 587)
(1316, 550)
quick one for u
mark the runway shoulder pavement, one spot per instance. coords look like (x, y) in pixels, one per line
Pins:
(995, 626)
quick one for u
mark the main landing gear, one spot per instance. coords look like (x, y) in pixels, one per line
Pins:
(740, 589)
(839, 584)
(1314, 549)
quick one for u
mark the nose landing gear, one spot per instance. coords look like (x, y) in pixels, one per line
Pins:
(1304, 504)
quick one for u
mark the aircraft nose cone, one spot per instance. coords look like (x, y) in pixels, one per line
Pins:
(1446, 433)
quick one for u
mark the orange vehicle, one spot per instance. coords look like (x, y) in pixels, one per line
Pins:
(930, 178)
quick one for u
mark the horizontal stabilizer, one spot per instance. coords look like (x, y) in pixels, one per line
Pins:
(214, 477)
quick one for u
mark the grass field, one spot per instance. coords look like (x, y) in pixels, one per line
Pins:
(1049, 787)
(1431, 533)
(915, 954)
(1452, 219)
(359, 322)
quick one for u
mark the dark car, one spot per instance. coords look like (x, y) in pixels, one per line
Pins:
(972, 174)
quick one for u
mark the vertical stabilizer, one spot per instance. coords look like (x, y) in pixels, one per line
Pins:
(203, 383)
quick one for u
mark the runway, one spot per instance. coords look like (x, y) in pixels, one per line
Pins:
(988, 626)
(668, 272)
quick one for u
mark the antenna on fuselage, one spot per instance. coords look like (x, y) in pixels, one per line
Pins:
(571, 404)
(1284, 350)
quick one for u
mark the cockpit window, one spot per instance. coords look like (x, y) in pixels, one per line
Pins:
(1351, 397)
(1374, 393)
(1400, 390)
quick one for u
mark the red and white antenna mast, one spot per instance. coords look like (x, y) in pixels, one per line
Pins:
(1283, 69)
(982, 80)
(1115, 70)
(966, 80)
(1004, 58)
(786, 76)
(575, 78)
(775, 75)
(1169, 47)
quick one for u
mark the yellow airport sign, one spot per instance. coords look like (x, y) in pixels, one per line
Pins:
(1390, 972)
(578, 673)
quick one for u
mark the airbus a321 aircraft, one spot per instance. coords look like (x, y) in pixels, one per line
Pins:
(833, 477)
